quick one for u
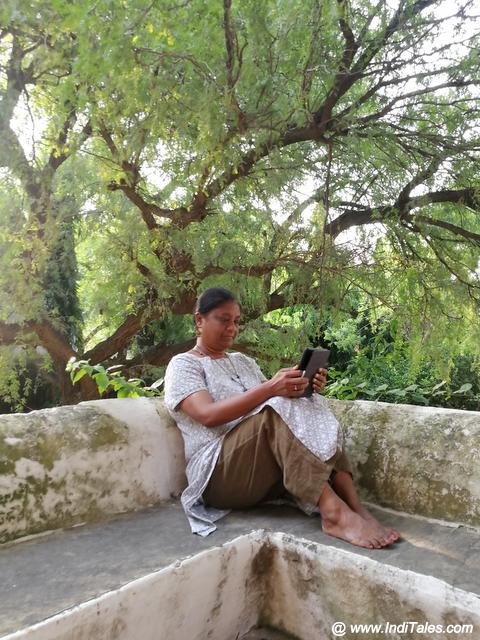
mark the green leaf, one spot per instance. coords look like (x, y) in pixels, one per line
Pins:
(102, 380)
(463, 389)
(401, 393)
(79, 375)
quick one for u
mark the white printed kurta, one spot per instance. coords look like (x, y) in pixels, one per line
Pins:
(309, 419)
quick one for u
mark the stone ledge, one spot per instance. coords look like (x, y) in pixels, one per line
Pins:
(72, 464)
(140, 572)
(67, 465)
(421, 460)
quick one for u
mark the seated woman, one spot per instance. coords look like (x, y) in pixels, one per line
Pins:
(249, 439)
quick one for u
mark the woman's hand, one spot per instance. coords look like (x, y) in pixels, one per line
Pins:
(319, 380)
(288, 382)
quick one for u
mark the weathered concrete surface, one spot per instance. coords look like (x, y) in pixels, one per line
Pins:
(211, 595)
(314, 591)
(421, 460)
(67, 465)
(262, 633)
(50, 574)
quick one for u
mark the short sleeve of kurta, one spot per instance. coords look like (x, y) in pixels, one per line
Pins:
(256, 368)
(183, 377)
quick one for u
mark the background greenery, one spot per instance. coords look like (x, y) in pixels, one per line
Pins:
(319, 158)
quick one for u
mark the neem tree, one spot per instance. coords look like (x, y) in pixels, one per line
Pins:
(167, 146)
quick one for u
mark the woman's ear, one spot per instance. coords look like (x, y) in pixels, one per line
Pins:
(197, 318)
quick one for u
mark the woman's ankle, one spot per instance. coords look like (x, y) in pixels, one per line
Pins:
(330, 505)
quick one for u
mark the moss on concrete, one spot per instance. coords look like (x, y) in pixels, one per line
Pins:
(45, 439)
(26, 504)
(7, 466)
(107, 433)
(415, 459)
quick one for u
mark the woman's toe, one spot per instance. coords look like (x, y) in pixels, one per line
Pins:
(369, 543)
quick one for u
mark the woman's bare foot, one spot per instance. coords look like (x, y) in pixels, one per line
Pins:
(343, 484)
(392, 534)
(339, 521)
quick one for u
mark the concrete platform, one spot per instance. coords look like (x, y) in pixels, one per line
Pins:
(53, 572)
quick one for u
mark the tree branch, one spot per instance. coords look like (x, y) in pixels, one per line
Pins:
(412, 94)
(53, 340)
(58, 155)
(421, 176)
(131, 189)
(230, 43)
(359, 215)
(134, 322)
(121, 336)
(160, 354)
(346, 77)
(456, 230)
(11, 151)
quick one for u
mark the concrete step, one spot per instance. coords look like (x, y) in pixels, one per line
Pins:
(53, 573)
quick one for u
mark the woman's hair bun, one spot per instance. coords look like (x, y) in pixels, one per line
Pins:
(212, 298)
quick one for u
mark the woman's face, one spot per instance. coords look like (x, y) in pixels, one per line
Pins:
(219, 327)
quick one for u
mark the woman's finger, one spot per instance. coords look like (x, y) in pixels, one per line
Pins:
(319, 381)
(297, 386)
(299, 383)
(294, 373)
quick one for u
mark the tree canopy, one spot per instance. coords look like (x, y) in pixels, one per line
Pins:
(301, 153)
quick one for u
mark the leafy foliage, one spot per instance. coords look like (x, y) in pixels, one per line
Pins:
(302, 153)
(111, 380)
(376, 362)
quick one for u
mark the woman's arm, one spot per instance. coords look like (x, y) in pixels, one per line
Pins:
(201, 407)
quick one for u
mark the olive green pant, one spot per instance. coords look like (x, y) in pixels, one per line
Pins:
(261, 459)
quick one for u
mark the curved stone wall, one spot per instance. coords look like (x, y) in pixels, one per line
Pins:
(67, 465)
(422, 460)
(72, 464)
